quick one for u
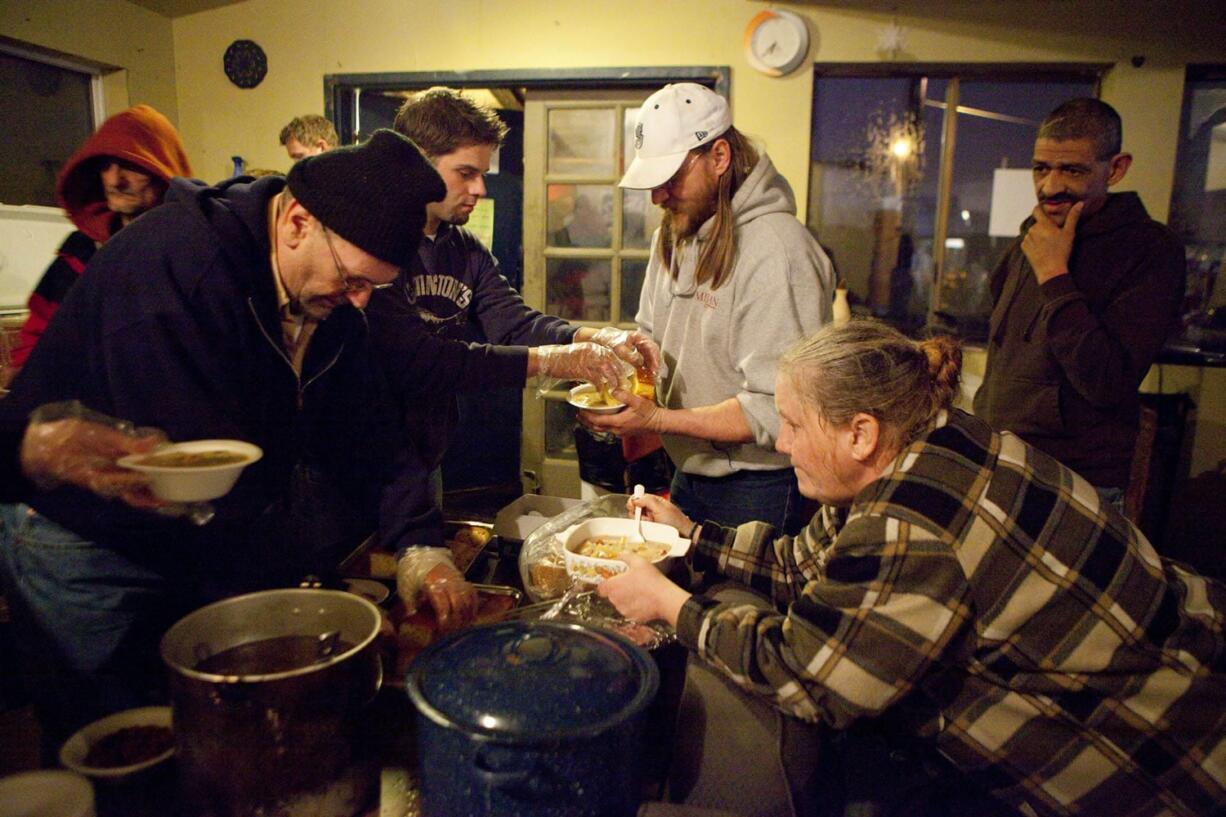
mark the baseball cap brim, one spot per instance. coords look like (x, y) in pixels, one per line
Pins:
(649, 173)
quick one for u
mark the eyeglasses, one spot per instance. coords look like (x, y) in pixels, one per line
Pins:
(351, 283)
(686, 164)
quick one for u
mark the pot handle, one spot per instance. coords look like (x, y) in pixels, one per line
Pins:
(523, 779)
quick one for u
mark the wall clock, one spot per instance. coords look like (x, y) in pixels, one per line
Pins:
(776, 42)
(245, 63)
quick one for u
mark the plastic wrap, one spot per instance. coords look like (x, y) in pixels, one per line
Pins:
(592, 610)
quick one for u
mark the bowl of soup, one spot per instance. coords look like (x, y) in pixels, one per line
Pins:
(195, 471)
(593, 549)
(122, 744)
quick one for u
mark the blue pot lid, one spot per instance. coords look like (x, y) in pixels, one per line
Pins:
(532, 680)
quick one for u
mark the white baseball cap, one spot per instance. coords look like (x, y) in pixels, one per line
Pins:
(672, 122)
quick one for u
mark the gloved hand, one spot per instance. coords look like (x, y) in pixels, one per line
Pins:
(428, 574)
(630, 345)
(69, 444)
(581, 361)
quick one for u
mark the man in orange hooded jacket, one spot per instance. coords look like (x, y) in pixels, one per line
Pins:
(120, 172)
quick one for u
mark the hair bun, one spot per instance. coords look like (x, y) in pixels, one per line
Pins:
(944, 355)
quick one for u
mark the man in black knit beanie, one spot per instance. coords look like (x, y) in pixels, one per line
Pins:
(230, 312)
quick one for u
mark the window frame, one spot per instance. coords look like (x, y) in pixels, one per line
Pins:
(954, 74)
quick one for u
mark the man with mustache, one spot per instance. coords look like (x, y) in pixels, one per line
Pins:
(1084, 300)
(734, 278)
(120, 171)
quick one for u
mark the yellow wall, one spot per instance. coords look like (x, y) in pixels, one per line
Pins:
(304, 41)
(115, 33)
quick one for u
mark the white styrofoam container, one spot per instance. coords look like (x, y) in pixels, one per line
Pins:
(29, 236)
(595, 570)
(528, 513)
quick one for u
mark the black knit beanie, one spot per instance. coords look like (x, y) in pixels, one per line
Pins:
(373, 195)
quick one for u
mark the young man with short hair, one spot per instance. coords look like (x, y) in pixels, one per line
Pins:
(454, 286)
(308, 135)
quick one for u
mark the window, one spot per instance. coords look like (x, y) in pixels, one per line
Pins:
(1198, 202)
(46, 112)
(914, 205)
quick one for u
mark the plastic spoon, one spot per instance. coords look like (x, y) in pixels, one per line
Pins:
(639, 490)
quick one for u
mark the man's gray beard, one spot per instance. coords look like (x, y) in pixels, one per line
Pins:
(459, 219)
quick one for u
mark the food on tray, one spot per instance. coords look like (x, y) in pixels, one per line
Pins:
(549, 576)
(612, 547)
(382, 565)
(129, 746)
(466, 543)
(192, 459)
(418, 630)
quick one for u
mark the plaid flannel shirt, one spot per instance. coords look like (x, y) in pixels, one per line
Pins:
(1064, 663)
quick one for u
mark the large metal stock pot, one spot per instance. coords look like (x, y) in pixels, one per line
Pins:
(283, 742)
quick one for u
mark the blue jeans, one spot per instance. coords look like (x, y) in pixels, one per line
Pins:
(86, 621)
(745, 496)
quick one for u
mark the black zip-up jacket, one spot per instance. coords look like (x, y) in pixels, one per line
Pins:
(1065, 359)
(174, 324)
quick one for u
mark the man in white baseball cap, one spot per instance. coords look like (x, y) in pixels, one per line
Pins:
(734, 279)
(674, 121)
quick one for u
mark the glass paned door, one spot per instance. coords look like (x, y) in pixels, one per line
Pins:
(586, 244)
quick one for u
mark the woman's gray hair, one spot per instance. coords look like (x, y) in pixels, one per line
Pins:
(869, 367)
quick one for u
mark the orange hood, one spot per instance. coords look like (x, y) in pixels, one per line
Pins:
(139, 135)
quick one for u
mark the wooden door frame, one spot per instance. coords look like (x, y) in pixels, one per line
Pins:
(340, 89)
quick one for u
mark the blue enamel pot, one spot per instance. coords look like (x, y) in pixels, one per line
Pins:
(531, 718)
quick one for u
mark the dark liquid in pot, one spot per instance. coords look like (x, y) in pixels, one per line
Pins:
(282, 654)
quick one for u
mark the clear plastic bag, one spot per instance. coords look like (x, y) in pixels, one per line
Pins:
(541, 564)
(594, 611)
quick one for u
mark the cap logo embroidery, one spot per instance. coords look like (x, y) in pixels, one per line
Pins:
(638, 136)
(700, 135)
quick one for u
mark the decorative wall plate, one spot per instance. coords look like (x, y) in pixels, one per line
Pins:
(245, 63)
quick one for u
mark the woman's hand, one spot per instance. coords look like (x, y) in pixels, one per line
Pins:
(643, 593)
(659, 509)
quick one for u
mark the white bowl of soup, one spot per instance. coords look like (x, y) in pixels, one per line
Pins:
(592, 548)
(195, 471)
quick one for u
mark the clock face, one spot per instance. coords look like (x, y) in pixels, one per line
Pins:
(776, 42)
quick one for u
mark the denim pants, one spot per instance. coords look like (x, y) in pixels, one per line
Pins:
(745, 496)
(86, 622)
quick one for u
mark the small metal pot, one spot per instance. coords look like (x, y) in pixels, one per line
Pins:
(531, 718)
(275, 740)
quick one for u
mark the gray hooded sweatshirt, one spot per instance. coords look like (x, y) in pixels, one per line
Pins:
(726, 342)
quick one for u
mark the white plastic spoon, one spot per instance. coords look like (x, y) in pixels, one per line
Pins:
(639, 490)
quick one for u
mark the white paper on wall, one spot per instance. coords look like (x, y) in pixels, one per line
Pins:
(1013, 200)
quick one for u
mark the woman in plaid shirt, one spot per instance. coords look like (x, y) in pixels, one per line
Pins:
(955, 569)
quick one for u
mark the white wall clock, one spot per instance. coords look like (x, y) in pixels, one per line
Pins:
(776, 41)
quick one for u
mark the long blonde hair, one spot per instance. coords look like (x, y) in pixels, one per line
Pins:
(869, 367)
(719, 250)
